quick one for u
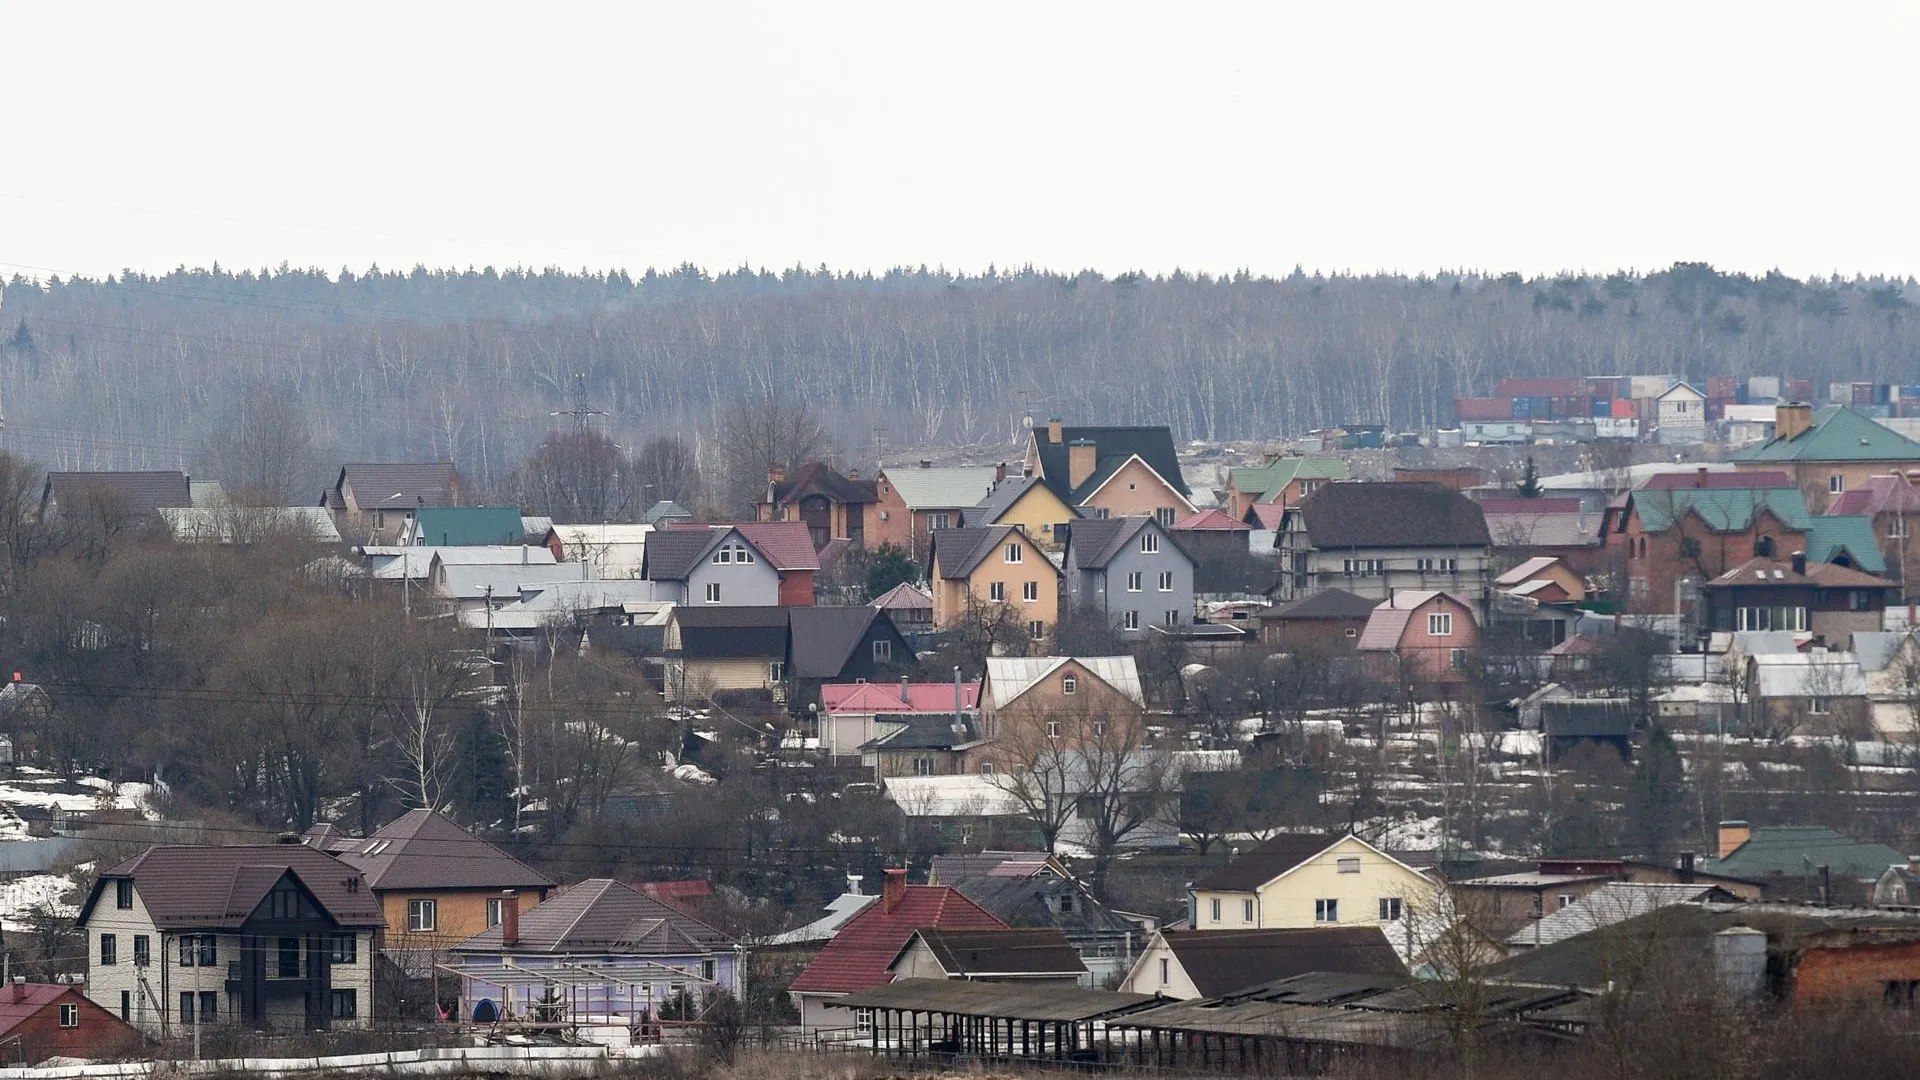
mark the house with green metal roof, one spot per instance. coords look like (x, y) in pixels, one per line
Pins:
(1830, 451)
(465, 526)
(1791, 854)
(1284, 480)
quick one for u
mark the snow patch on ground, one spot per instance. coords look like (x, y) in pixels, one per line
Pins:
(35, 894)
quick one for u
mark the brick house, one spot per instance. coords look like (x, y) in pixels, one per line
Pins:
(1892, 503)
(832, 506)
(1831, 602)
(1282, 481)
(43, 1020)
(1327, 621)
(1424, 637)
(1829, 452)
(911, 504)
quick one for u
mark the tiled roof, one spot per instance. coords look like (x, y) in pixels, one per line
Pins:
(1030, 951)
(671, 554)
(1004, 496)
(1778, 573)
(1325, 604)
(819, 478)
(1209, 520)
(1787, 851)
(941, 489)
(424, 850)
(1264, 483)
(959, 551)
(601, 915)
(904, 595)
(1890, 493)
(1223, 961)
(399, 485)
(858, 956)
(872, 697)
(1093, 544)
(1833, 535)
(785, 544)
(142, 492)
(1721, 509)
(1112, 447)
(469, 526)
(1268, 515)
(1011, 676)
(186, 888)
(1266, 862)
(1838, 434)
(21, 1002)
(1392, 515)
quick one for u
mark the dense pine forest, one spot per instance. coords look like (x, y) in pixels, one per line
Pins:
(181, 369)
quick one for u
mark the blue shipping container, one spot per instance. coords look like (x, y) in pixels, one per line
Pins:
(1542, 407)
(1880, 396)
(1522, 408)
(1602, 408)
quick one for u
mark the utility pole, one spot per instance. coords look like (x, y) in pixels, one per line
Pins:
(582, 411)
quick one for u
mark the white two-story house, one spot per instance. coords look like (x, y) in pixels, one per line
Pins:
(276, 937)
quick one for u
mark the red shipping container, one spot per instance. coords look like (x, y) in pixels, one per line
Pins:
(1483, 408)
(1722, 387)
(1863, 393)
(1623, 409)
(1604, 388)
(1537, 388)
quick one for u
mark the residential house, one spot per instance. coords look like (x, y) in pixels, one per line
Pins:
(1567, 721)
(1810, 693)
(1544, 578)
(909, 606)
(599, 949)
(1891, 502)
(711, 650)
(1111, 471)
(976, 808)
(1025, 501)
(1224, 564)
(533, 608)
(117, 499)
(1608, 905)
(274, 937)
(995, 573)
(1374, 540)
(920, 744)
(47, 1020)
(832, 506)
(474, 588)
(1281, 481)
(852, 714)
(1028, 956)
(1031, 889)
(247, 524)
(1300, 881)
(1890, 662)
(465, 526)
(1075, 699)
(398, 563)
(613, 551)
(1787, 859)
(721, 565)
(1424, 636)
(1190, 964)
(1503, 904)
(1329, 620)
(911, 504)
(1829, 452)
(1558, 528)
(1130, 572)
(859, 956)
(372, 503)
(1897, 887)
(1681, 415)
(437, 883)
(1831, 602)
(841, 644)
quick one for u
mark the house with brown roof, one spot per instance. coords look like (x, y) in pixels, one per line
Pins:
(1030, 956)
(1425, 638)
(1111, 471)
(995, 573)
(1130, 572)
(749, 564)
(1374, 540)
(1298, 880)
(437, 883)
(600, 948)
(1793, 594)
(1329, 620)
(372, 502)
(1190, 964)
(274, 936)
(121, 500)
(860, 956)
(45, 1020)
(832, 506)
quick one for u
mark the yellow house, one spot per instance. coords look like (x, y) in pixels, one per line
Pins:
(1111, 471)
(1309, 881)
(1028, 503)
(993, 573)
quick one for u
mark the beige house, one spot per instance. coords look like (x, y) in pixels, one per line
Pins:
(993, 574)
(1309, 881)
(1076, 701)
(1190, 964)
(1111, 471)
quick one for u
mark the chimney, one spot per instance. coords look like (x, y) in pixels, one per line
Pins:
(775, 475)
(999, 474)
(1700, 477)
(1800, 563)
(287, 838)
(1055, 431)
(853, 474)
(1732, 835)
(853, 884)
(1791, 419)
(1082, 455)
(959, 704)
(509, 918)
(1686, 868)
(19, 987)
(904, 696)
(896, 891)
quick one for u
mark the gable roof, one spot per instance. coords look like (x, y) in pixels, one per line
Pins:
(1325, 604)
(1209, 520)
(672, 554)
(468, 526)
(143, 492)
(920, 697)
(1836, 434)
(824, 638)
(1223, 961)
(1027, 951)
(240, 524)
(1526, 571)
(1009, 677)
(957, 870)
(840, 910)
(732, 633)
(1264, 483)
(1395, 514)
(1389, 621)
(1834, 535)
(666, 510)
(23, 1001)
(1788, 851)
(601, 915)
(1004, 497)
(785, 544)
(1093, 544)
(396, 485)
(1266, 862)
(961, 551)
(1113, 447)
(904, 597)
(1885, 493)
(858, 956)
(1779, 573)
(1715, 479)
(819, 478)
(941, 489)
(422, 849)
(1614, 902)
(1808, 674)
(186, 888)
(1721, 509)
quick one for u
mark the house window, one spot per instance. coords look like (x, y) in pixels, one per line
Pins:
(69, 1016)
(1836, 484)
(1129, 620)
(1053, 729)
(1440, 624)
(288, 965)
(1770, 618)
(1819, 706)
(1326, 911)
(1066, 903)
(1353, 633)
(997, 591)
(777, 671)
(713, 592)
(1166, 581)
(1897, 527)
(189, 951)
(109, 949)
(1014, 554)
(123, 894)
(1246, 910)
(142, 952)
(923, 766)
(939, 521)
(1389, 909)
(1036, 629)
(1069, 683)
(126, 1005)
(422, 916)
(987, 768)
(1030, 592)
(1457, 659)
(1172, 618)
(1563, 901)
(706, 970)
(186, 1006)
(882, 651)
(496, 912)
(1164, 975)
(1150, 543)
(1347, 864)
(863, 1021)
(1099, 728)
(1133, 581)
(345, 948)
(1860, 600)
(284, 904)
(1437, 566)
(1364, 567)
(209, 1006)
(343, 1004)
(1216, 909)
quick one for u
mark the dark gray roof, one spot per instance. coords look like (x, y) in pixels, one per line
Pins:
(1095, 543)
(142, 492)
(1392, 515)
(671, 554)
(186, 888)
(960, 550)
(819, 478)
(1028, 951)
(1034, 901)
(398, 485)
(732, 633)
(601, 915)
(825, 638)
(1266, 862)
(1112, 447)
(1594, 719)
(920, 731)
(1001, 499)
(1332, 604)
(424, 850)
(1223, 961)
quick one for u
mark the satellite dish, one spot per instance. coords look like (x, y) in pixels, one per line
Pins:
(1027, 421)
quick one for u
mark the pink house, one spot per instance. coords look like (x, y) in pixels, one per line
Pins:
(1423, 637)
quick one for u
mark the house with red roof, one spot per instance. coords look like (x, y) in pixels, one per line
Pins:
(860, 955)
(744, 564)
(44, 1020)
(854, 713)
(1892, 503)
(1422, 637)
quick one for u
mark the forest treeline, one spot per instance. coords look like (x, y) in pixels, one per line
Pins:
(139, 370)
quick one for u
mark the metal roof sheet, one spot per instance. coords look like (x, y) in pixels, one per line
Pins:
(941, 489)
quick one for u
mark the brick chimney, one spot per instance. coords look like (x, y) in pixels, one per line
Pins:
(895, 891)
(1732, 835)
(1055, 430)
(1082, 456)
(1800, 563)
(1700, 477)
(1686, 868)
(776, 476)
(509, 918)
(999, 473)
(1790, 418)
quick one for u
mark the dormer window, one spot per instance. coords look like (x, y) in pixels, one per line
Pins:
(1069, 683)
(733, 553)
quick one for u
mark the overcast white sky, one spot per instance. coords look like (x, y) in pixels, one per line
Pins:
(1337, 135)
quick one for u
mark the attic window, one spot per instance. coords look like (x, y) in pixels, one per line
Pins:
(1347, 864)
(1069, 683)
(1150, 543)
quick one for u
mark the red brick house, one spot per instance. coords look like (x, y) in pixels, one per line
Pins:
(833, 506)
(43, 1020)
(1423, 638)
